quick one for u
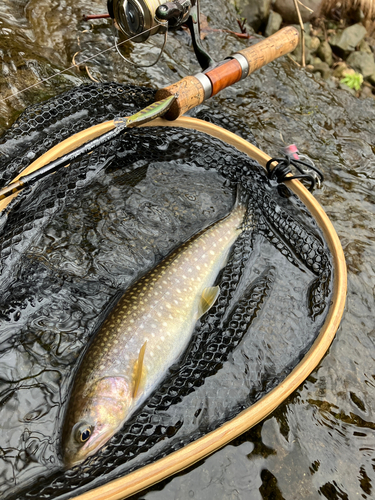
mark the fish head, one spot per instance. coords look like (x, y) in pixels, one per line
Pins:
(94, 418)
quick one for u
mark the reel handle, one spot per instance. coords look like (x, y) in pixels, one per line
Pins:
(194, 90)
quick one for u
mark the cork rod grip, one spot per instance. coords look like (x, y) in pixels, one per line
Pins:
(269, 49)
(191, 91)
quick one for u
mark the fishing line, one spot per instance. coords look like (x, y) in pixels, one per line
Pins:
(75, 65)
(157, 59)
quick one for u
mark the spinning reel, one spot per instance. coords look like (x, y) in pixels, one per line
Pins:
(140, 19)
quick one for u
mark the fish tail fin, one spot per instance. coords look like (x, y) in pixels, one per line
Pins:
(242, 204)
(242, 197)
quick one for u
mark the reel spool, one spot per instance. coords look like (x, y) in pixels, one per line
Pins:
(141, 19)
(135, 17)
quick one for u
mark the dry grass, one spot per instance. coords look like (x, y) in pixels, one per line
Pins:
(349, 9)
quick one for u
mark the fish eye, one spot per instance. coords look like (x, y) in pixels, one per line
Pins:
(82, 432)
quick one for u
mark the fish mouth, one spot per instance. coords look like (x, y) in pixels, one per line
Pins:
(73, 457)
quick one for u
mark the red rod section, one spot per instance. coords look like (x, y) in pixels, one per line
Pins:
(96, 16)
(224, 75)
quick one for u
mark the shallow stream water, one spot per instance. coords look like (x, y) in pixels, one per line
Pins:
(320, 442)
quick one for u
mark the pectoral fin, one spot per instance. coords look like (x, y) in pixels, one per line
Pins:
(138, 369)
(208, 299)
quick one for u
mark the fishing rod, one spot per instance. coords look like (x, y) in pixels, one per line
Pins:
(171, 102)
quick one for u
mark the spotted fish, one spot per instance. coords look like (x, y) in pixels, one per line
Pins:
(143, 336)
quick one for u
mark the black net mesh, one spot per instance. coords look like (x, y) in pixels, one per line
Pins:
(69, 244)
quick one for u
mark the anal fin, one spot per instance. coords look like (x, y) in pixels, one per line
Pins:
(138, 370)
(208, 299)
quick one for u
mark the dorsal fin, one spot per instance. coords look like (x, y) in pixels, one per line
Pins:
(139, 369)
(208, 298)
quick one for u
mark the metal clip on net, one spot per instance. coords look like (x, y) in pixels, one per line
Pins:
(282, 171)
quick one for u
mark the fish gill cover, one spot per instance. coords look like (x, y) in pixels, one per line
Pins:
(75, 241)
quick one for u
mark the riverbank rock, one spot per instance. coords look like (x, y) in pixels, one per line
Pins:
(365, 47)
(322, 68)
(325, 53)
(273, 23)
(297, 53)
(256, 12)
(343, 86)
(313, 44)
(288, 12)
(345, 41)
(333, 52)
(340, 69)
(362, 62)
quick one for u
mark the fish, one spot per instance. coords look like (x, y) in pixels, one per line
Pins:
(144, 334)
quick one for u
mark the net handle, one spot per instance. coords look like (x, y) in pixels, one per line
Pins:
(194, 90)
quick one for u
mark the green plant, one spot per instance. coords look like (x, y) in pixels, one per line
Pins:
(353, 80)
